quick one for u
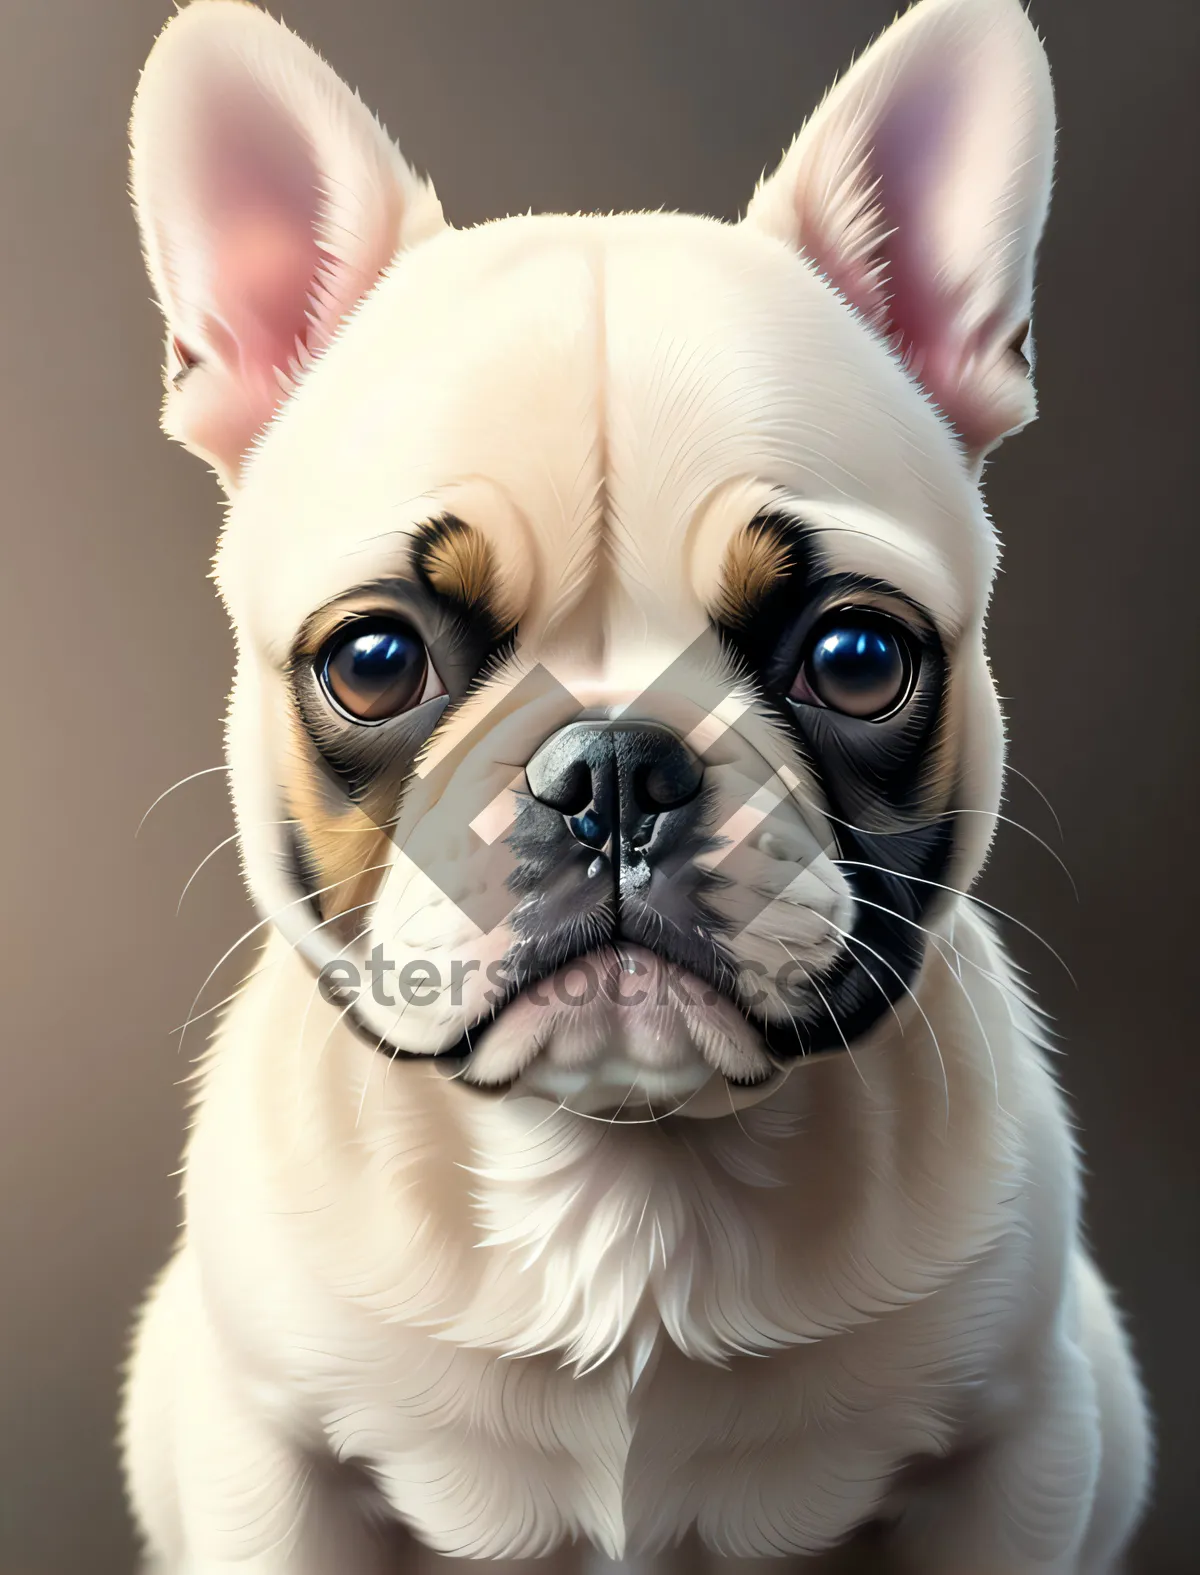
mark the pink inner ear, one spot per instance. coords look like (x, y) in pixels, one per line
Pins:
(260, 198)
(915, 145)
(263, 270)
(889, 274)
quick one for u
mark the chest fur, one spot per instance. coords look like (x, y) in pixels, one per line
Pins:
(495, 1456)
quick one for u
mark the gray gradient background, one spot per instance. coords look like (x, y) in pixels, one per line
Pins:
(117, 659)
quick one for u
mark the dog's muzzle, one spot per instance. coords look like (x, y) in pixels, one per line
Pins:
(642, 1030)
(616, 785)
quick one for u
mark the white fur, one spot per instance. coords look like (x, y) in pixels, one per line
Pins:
(526, 1327)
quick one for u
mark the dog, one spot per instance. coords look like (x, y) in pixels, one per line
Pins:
(632, 1142)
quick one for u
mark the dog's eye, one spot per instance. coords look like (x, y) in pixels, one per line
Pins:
(376, 669)
(859, 663)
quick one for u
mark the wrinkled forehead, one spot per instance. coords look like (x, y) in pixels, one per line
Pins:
(619, 392)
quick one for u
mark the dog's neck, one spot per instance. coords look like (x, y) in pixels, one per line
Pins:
(545, 1231)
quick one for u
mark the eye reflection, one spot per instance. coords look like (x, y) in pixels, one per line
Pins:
(860, 664)
(375, 670)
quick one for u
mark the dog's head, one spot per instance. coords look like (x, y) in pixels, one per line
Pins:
(611, 708)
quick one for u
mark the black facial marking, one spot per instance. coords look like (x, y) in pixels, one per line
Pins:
(881, 765)
(879, 781)
(881, 770)
(886, 947)
(362, 758)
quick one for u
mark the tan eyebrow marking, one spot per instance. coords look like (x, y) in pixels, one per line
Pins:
(756, 559)
(456, 560)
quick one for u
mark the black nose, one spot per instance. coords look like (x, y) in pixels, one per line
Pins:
(614, 776)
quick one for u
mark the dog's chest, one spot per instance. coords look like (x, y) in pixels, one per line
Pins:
(556, 1401)
(781, 1452)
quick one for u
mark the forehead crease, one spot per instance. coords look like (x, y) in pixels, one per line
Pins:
(726, 362)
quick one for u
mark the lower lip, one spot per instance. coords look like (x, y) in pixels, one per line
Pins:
(619, 1028)
(618, 1089)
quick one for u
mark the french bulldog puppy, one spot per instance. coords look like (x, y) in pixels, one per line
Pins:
(632, 1142)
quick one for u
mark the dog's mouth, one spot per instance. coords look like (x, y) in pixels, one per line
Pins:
(619, 1032)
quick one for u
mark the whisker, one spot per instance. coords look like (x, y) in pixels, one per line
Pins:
(1009, 993)
(946, 814)
(832, 1015)
(270, 919)
(970, 961)
(183, 1027)
(283, 957)
(166, 793)
(983, 1033)
(1029, 782)
(558, 1109)
(212, 853)
(1007, 820)
(847, 936)
(1007, 988)
(733, 1111)
(314, 991)
(638, 1121)
(238, 832)
(854, 940)
(969, 897)
(615, 1117)
(197, 1071)
(362, 1099)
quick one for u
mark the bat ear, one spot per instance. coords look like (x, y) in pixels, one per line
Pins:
(920, 188)
(269, 201)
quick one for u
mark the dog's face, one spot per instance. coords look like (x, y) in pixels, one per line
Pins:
(611, 703)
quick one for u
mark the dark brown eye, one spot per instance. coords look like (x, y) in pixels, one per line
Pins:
(376, 669)
(859, 664)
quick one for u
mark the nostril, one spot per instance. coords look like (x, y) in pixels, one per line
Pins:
(669, 782)
(613, 780)
(564, 785)
(576, 794)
